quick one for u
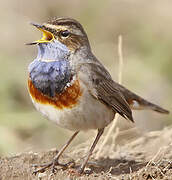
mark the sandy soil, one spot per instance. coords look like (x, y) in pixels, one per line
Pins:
(134, 156)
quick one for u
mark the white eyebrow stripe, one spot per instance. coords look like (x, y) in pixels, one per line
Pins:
(63, 28)
(57, 27)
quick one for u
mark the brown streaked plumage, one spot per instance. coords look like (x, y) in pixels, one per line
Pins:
(68, 23)
(67, 99)
(77, 37)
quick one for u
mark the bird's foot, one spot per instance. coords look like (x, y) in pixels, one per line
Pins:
(52, 165)
(80, 171)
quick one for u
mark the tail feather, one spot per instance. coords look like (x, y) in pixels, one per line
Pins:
(144, 104)
(137, 102)
(155, 107)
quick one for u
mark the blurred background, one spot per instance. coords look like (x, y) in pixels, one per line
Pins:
(146, 28)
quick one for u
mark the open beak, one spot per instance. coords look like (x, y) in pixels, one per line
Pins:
(47, 36)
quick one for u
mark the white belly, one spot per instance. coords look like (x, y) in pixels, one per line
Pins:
(89, 113)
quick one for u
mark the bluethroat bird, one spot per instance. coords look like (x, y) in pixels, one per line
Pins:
(69, 85)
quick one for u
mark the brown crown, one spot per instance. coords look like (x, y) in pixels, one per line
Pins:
(77, 36)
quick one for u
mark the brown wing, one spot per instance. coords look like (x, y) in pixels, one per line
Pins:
(103, 88)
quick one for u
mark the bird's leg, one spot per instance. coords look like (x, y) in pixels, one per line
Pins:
(100, 132)
(55, 162)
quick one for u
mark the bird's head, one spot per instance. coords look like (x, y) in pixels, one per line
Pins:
(66, 31)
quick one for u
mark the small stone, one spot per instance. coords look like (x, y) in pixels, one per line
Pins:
(41, 175)
(87, 170)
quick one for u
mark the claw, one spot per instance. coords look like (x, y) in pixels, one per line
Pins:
(54, 163)
(43, 167)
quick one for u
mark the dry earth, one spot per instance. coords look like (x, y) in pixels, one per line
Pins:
(135, 156)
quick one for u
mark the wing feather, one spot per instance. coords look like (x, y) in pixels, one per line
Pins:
(102, 87)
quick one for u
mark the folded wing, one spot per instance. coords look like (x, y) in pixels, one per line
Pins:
(102, 87)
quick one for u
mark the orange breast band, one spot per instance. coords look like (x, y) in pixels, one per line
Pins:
(66, 99)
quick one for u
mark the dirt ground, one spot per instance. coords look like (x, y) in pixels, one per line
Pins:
(135, 156)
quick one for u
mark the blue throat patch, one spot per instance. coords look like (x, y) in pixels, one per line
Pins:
(50, 71)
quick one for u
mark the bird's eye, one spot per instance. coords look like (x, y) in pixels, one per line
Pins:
(65, 33)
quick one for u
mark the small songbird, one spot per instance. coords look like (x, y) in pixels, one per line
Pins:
(69, 86)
